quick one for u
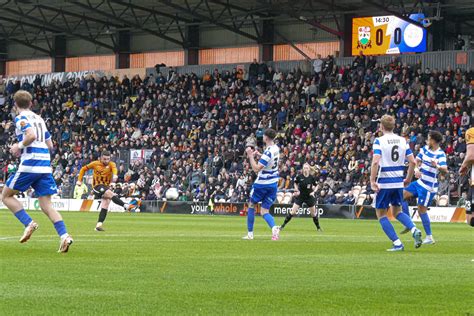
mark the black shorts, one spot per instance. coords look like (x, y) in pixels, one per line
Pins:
(99, 191)
(310, 201)
(470, 210)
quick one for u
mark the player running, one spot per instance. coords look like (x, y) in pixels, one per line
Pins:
(34, 146)
(389, 153)
(466, 164)
(265, 188)
(305, 185)
(431, 160)
(104, 172)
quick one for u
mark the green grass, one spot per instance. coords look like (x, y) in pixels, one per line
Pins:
(150, 264)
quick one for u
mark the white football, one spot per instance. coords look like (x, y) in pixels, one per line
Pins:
(172, 194)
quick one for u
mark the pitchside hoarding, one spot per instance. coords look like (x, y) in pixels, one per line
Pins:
(202, 208)
(437, 214)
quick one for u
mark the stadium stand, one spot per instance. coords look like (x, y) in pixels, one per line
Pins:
(196, 125)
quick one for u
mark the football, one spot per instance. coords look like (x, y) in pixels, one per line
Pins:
(172, 194)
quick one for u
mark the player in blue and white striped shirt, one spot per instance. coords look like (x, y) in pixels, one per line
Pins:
(389, 153)
(431, 160)
(264, 189)
(34, 145)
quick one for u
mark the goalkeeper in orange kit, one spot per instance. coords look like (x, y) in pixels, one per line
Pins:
(467, 164)
(105, 172)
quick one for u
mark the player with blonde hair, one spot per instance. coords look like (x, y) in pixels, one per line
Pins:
(387, 180)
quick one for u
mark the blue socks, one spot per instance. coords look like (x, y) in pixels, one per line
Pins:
(388, 228)
(250, 219)
(269, 219)
(405, 220)
(405, 208)
(425, 219)
(60, 228)
(23, 217)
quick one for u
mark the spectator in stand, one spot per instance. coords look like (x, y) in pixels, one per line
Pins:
(459, 45)
(253, 73)
(318, 64)
(80, 192)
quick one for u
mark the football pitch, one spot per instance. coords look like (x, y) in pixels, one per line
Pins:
(152, 264)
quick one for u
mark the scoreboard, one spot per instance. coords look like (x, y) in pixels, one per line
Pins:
(379, 35)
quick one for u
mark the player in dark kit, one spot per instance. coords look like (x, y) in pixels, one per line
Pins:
(304, 188)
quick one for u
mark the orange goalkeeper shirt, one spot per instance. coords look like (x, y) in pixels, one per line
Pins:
(470, 141)
(102, 173)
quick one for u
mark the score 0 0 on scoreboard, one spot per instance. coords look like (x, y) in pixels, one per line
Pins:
(380, 35)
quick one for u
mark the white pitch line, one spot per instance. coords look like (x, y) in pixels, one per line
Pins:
(8, 238)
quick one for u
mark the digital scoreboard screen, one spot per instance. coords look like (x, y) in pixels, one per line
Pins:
(380, 35)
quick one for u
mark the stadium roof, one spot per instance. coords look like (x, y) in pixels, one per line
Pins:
(29, 21)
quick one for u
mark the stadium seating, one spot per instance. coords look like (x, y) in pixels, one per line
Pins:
(194, 129)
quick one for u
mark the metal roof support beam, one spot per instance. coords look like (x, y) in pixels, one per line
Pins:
(149, 10)
(208, 19)
(42, 25)
(79, 16)
(397, 14)
(323, 27)
(129, 23)
(28, 44)
(296, 13)
(287, 41)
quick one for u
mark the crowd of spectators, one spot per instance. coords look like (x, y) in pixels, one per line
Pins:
(195, 127)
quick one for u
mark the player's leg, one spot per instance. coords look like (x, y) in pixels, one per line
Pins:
(469, 210)
(314, 212)
(396, 198)
(289, 216)
(425, 219)
(255, 198)
(250, 220)
(104, 206)
(19, 182)
(47, 207)
(382, 202)
(108, 194)
(408, 193)
(270, 197)
(44, 187)
(271, 222)
(424, 201)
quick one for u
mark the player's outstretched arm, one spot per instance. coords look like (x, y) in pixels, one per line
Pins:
(83, 171)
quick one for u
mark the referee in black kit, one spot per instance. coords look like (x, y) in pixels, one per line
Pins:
(304, 187)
